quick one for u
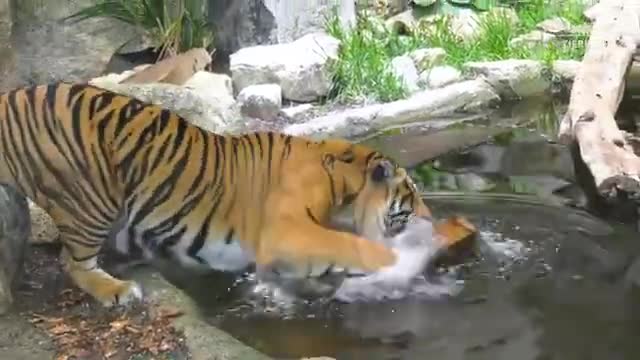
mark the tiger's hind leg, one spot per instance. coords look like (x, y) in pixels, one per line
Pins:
(80, 258)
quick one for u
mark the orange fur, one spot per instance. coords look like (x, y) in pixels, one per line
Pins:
(91, 158)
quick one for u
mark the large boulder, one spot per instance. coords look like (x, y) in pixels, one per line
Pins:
(204, 100)
(301, 67)
(15, 228)
(52, 50)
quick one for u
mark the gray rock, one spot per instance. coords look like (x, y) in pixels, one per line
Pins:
(261, 101)
(213, 84)
(204, 341)
(473, 182)
(292, 112)
(467, 96)
(556, 25)
(15, 227)
(425, 59)
(210, 110)
(532, 38)
(301, 67)
(439, 76)
(51, 50)
(43, 228)
(513, 79)
(466, 24)
(405, 70)
(295, 18)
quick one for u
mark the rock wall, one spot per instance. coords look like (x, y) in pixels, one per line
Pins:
(256, 22)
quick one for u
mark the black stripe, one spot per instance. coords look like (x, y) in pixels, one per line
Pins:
(312, 217)
(73, 91)
(228, 239)
(203, 234)
(270, 155)
(127, 113)
(204, 160)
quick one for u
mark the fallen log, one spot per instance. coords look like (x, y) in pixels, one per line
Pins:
(589, 125)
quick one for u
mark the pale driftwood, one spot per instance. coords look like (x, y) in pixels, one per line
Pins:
(174, 70)
(595, 97)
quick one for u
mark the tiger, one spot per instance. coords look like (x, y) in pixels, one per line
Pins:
(91, 158)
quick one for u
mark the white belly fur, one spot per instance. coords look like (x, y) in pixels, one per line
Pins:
(216, 254)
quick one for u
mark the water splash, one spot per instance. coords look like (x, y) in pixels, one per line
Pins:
(414, 247)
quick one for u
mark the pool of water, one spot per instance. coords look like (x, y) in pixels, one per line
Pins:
(565, 296)
(544, 280)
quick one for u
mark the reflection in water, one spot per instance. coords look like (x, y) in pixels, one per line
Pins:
(564, 300)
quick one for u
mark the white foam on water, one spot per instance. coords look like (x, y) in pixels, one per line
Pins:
(506, 249)
(414, 247)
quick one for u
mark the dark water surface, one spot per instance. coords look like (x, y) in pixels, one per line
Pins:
(547, 281)
(565, 298)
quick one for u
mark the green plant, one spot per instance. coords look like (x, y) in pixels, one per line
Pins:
(362, 71)
(174, 26)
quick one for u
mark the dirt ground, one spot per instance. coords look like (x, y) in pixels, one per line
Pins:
(52, 319)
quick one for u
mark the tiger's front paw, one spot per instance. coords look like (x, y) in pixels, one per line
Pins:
(374, 256)
(121, 293)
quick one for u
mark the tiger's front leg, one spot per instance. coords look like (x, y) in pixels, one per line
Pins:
(80, 259)
(302, 244)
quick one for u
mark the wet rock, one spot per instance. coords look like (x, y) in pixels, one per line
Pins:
(404, 69)
(534, 37)
(556, 25)
(301, 67)
(261, 101)
(439, 76)
(43, 228)
(467, 96)
(537, 157)
(15, 228)
(203, 340)
(425, 59)
(213, 110)
(512, 79)
(473, 182)
(541, 185)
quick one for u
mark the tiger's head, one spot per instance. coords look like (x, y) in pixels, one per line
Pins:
(379, 197)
